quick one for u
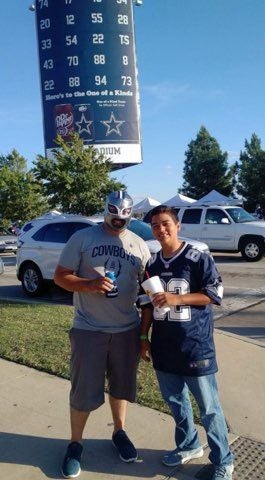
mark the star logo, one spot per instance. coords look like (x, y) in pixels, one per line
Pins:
(84, 125)
(113, 125)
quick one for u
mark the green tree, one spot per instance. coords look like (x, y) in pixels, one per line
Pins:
(251, 173)
(206, 167)
(75, 179)
(20, 195)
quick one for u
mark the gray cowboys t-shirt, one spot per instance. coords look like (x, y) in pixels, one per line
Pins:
(89, 253)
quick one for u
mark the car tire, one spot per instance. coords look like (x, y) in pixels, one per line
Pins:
(252, 249)
(32, 280)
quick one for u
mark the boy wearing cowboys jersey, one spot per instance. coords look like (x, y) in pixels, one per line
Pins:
(182, 345)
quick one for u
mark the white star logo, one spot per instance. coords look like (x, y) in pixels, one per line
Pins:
(112, 125)
(84, 125)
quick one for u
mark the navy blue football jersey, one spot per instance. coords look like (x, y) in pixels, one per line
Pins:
(182, 339)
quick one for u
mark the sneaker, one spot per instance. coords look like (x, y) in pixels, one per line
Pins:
(71, 464)
(178, 457)
(223, 472)
(125, 447)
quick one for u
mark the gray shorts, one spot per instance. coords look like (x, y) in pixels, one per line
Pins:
(96, 355)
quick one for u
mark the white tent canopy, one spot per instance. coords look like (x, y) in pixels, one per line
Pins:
(145, 205)
(179, 201)
(214, 198)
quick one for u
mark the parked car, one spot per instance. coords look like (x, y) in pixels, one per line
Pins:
(2, 268)
(41, 243)
(8, 241)
(225, 228)
(39, 249)
(144, 231)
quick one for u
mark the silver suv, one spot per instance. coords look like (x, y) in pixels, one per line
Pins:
(42, 240)
(8, 241)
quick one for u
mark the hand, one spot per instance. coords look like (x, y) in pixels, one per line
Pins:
(100, 285)
(165, 299)
(145, 350)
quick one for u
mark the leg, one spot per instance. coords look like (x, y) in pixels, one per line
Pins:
(88, 362)
(205, 393)
(78, 421)
(125, 447)
(121, 374)
(122, 365)
(71, 467)
(118, 410)
(175, 393)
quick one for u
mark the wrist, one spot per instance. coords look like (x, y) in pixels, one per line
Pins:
(180, 300)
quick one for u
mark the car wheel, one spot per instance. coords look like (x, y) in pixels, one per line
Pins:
(252, 249)
(32, 280)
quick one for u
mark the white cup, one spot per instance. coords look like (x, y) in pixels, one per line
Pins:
(152, 286)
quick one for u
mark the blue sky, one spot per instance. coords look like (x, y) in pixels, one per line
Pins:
(201, 62)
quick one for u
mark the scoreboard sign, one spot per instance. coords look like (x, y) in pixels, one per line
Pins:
(88, 75)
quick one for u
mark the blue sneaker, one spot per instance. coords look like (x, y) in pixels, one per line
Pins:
(71, 464)
(125, 447)
(223, 472)
(178, 457)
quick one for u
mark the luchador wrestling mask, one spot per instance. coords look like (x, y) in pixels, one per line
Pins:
(118, 210)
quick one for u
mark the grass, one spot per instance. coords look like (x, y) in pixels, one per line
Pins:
(36, 335)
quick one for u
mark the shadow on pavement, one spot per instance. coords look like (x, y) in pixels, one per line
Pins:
(98, 456)
(53, 293)
(9, 261)
(248, 323)
(227, 258)
(256, 333)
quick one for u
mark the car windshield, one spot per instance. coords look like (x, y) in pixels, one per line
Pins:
(239, 215)
(142, 229)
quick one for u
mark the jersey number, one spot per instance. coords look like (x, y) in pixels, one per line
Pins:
(178, 286)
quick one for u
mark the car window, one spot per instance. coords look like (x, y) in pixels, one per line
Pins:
(142, 229)
(239, 215)
(75, 226)
(27, 226)
(56, 232)
(215, 216)
(192, 215)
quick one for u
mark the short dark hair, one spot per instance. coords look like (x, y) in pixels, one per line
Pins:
(164, 209)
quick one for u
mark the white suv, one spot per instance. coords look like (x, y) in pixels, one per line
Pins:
(39, 246)
(42, 240)
(225, 228)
